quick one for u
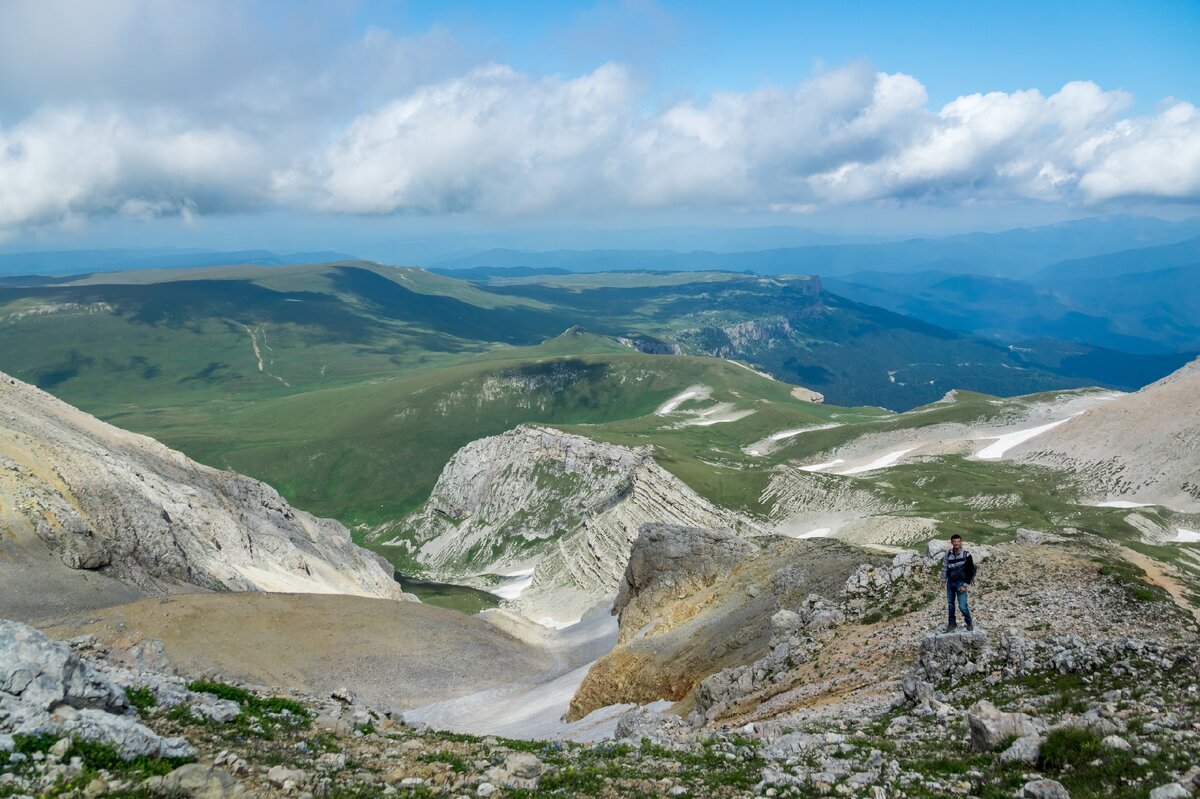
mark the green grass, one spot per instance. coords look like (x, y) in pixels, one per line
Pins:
(141, 697)
(260, 716)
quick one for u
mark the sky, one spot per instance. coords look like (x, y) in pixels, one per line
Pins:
(308, 125)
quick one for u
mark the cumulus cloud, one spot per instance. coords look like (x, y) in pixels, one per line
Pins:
(63, 163)
(496, 141)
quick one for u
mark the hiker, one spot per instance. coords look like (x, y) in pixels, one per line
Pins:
(958, 571)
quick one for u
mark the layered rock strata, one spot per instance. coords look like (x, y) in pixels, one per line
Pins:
(79, 496)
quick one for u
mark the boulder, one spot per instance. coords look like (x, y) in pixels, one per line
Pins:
(1044, 789)
(1172, 790)
(42, 673)
(126, 734)
(282, 776)
(524, 766)
(197, 781)
(46, 687)
(1026, 749)
(221, 711)
(936, 548)
(991, 726)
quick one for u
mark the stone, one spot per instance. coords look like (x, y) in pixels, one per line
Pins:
(61, 747)
(126, 734)
(524, 766)
(97, 787)
(1044, 789)
(1116, 742)
(1026, 749)
(937, 548)
(42, 673)
(990, 726)
(485, 789)
(278, 775)
(344, 695)
(200, 781)
(1172, 790)
(221, 711)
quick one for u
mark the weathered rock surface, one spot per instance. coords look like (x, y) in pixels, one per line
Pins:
(197, 781)
(45, 687)
(669, 562)
(79, 496)
(1142, 447)
(990, 726)
(565, 505)
(709, 613)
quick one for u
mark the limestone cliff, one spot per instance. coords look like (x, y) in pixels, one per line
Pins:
(561, 505)
(81, 497)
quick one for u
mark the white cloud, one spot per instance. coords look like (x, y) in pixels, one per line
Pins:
(1154, 157)
(496, 141)
(60, 164)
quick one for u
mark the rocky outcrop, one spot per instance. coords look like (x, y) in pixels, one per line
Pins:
(710, 616)
(563, 505)
(46, 688)
(78, 494)
(668, 563)
(1142, 447)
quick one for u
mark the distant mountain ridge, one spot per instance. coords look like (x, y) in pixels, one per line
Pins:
(1013, 253)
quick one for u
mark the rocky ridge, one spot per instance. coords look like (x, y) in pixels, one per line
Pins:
(561, 505)
(1139, 447)
(81, 496)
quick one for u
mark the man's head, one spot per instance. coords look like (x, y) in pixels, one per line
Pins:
(956, 542)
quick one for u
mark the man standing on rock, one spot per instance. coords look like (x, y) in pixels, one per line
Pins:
(958, 570)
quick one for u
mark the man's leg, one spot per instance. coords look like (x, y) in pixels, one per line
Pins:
(951, 588)
(962, 603)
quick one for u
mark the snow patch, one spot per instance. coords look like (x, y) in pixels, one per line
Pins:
(820, 532)
(1183, 536)
(693, 392)
(816, 467)
(882, 462)
(514, 587)
(1121, 503)
(1004, 443)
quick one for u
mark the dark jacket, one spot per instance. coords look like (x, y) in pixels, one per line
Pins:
(958, 568)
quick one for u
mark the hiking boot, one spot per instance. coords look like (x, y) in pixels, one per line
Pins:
(951, 628)
(970, 627)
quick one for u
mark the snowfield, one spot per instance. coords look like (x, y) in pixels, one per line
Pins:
(1004, 443)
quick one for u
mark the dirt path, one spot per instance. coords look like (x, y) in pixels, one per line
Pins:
(1158, 576)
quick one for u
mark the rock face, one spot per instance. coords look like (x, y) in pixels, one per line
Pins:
(669, 562)
(45, 687)
(79, 494)
(706, 613)
(1143, 446)
(565, 505)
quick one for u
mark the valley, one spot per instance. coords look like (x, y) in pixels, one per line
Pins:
(540, 454)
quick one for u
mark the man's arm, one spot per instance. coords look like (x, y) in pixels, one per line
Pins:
(944, 578)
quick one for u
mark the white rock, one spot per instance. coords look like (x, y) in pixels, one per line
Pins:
(1044, 789)
(990, 726)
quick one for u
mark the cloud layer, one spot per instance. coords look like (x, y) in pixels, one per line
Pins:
(404, 126)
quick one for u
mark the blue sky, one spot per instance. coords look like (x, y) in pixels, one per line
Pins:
(955, 48)
(310, 124)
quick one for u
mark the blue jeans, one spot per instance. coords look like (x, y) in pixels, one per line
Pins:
(951, 593)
